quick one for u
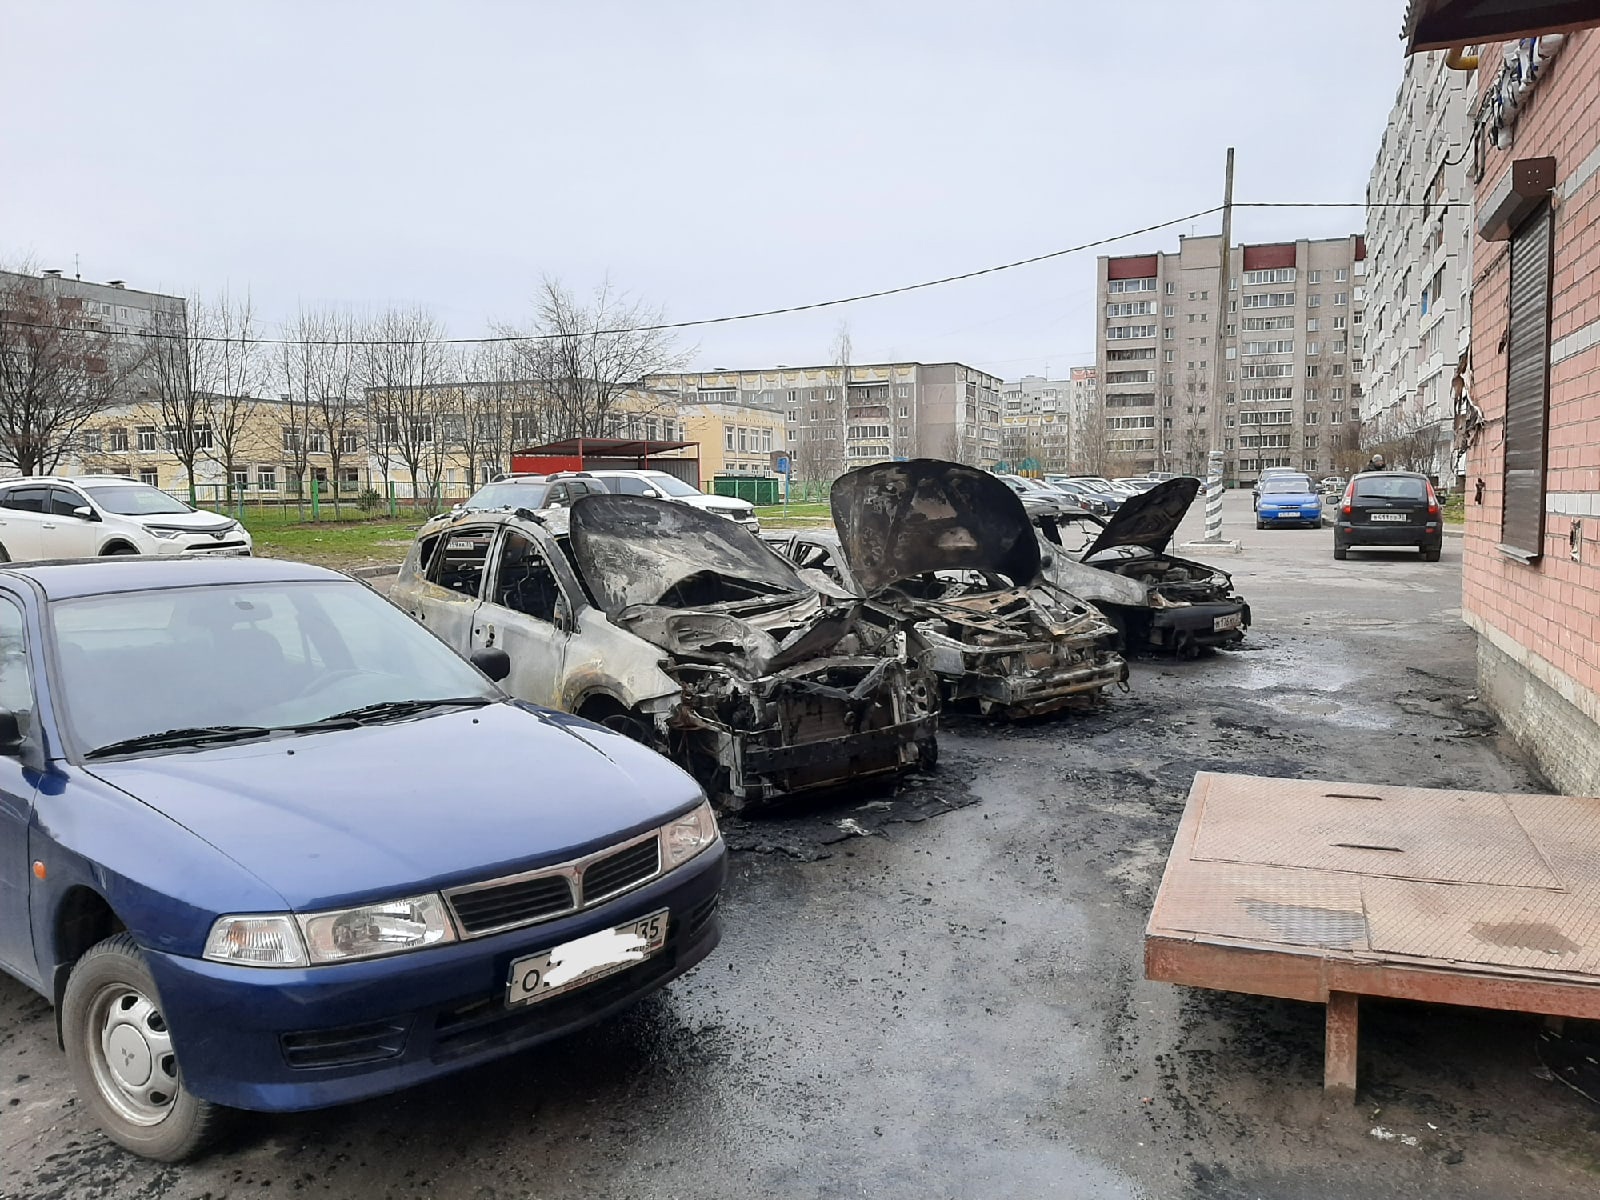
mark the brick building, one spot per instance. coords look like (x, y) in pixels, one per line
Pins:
(1530, 417)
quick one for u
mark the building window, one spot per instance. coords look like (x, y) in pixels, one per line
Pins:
(1168, 333)
(267, 479)
(117, 439)
(1168, 355)
(1340, 299)
(1314, 301)
(1172, 289)
(91, 441)
(1313, 276)
(1527, 389)
(148, 441)
(316, 442)
(241, 481)
(149, 477)
(1313, 371)
(350, 441)
(902, 391)
(291, 439)
(1341, 275)
(1272, 275)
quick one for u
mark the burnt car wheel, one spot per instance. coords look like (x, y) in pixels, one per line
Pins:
(121, 1056)
(928, 753)
(628, 725)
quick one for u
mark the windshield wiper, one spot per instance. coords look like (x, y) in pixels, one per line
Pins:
(198, 735)
(387, 710)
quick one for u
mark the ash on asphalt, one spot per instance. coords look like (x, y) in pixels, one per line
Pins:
(951, 1001)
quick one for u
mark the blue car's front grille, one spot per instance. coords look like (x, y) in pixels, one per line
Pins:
(621, 870)
(512, 903)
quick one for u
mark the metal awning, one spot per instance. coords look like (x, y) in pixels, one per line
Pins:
(1443, 24)
(581, 447)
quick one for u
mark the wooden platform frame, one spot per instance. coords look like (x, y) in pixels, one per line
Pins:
(1177, 952)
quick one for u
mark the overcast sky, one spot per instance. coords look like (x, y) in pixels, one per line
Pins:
(709, 157)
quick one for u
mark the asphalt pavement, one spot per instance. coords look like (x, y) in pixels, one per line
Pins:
(953, 1004)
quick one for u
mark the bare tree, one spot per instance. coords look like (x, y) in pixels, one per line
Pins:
(334, 415)
(1407, 437)
(233, 384)
(587, 355)
(402, 364)
(178, 370)
(57, 372)
(298, 361)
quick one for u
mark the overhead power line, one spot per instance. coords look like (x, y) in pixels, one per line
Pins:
(755, 315)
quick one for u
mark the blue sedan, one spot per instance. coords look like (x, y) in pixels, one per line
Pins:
(1288, 500)
(268, 844)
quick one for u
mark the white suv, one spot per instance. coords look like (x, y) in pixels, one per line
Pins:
(49, 517)
(669, 487)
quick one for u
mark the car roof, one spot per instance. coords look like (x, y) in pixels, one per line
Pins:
(101, 576)
(39, 480)
(1401, 474)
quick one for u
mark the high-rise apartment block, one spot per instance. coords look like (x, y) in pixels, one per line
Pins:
(1279, 384)
(1041, 419)
(1419, 239)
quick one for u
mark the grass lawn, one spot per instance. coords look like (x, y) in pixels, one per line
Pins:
(1455, 509)
(355, 540)
(799, 516)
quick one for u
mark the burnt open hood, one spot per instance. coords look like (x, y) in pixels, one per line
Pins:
(898, 520)
(639, 550)
(1149, 520)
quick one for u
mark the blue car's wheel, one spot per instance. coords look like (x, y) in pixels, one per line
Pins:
(122, 1060)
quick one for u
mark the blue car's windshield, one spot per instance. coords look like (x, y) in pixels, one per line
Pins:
(1293, 485)
(266, 654)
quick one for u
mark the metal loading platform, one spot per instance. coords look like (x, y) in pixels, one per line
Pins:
(1328, 892)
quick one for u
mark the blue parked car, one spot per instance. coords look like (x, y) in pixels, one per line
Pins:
(268, 844)
(1288, 500)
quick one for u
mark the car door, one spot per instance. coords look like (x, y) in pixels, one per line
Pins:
(22, 517)
(65, 534)
(446, 597)
(16, 796)
(526, 613)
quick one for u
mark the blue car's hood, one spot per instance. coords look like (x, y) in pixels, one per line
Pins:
(350, 816)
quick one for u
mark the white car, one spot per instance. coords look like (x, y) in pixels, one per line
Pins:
(663, 486)
(47, 517)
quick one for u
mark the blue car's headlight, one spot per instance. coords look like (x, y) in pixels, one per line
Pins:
(294, 940)
(691, 833)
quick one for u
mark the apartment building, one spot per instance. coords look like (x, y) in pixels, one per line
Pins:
(119, 318)
(841, 416)
(1286, 360)
(1419, 254)
(1039, 418)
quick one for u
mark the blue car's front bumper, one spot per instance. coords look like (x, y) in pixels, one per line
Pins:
(1290, 514)
(363, 1029)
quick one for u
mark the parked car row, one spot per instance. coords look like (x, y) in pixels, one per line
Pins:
(267, 844)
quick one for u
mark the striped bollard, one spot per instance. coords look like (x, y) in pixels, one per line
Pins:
(1214, 498)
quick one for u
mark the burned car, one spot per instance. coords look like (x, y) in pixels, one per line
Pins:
(1155, 599)
(950, 548)
(682, 630)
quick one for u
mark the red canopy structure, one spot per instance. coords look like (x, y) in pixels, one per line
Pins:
(591, 454)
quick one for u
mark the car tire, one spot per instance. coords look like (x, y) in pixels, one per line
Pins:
(1340, 551)
(119, 548)
(927, 753)
(111, 1013)
(4, 556)
(1260, 524)
(1431, 553)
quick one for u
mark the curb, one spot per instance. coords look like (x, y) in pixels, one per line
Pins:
(374, 572)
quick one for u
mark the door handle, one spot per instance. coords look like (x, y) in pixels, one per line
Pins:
(47, 526)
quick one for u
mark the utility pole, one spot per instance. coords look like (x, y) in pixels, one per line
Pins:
(1224, 263)
(1213, 534)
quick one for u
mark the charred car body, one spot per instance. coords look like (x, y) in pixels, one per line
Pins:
(683, 630)
(951, 549)
(1156, 599)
